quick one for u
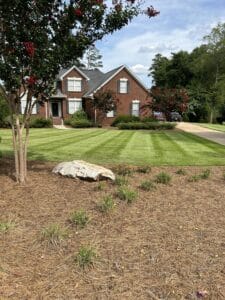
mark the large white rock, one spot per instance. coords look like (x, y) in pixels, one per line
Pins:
(83, 169)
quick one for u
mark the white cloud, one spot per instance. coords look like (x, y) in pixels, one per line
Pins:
(180, 26)
(139, 69)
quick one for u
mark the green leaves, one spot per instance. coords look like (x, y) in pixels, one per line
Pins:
(39, 37)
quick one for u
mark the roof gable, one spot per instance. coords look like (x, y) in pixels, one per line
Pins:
(105, 79)
(64, 72)
(97, 79)
(109, 76)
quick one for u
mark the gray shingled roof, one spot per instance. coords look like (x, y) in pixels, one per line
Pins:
(97, 78)
(61, 72)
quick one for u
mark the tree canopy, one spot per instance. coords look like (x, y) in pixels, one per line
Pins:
(201, 72)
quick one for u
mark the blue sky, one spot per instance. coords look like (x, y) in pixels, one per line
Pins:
(181, 25)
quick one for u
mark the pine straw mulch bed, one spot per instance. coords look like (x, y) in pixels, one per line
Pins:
(168, 244)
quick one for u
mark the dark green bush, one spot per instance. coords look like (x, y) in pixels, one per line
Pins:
(81, 123)
(149, 119)
(133, 125)
(125, 119)
(147, 125)
(40, 123)
(78, 120)
(79, 115)
(67, 121)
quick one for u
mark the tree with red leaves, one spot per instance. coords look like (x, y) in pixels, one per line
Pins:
(37, 38)
(168, 100)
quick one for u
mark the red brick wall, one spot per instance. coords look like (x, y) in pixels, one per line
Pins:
(79, 95)
(41, 110)
(136, 92)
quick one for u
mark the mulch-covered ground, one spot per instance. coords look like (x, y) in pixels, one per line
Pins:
(168, 244)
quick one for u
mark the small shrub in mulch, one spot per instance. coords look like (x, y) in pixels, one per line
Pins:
(85, 257)
(79, 218)
(144, 169)
(121, 180)
(127, 194)
(124, 170)
(163, 178)
(6, 226)
(107, 204)
(54, 234)
(100, 186)
(181, 172)
(194, 178)
(203, 175)
(147, 185)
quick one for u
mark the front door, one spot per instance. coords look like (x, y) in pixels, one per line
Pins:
(56, 111)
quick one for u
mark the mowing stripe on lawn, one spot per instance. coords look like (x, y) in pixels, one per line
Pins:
(68, 140)
(109, 152)
(133, 150)
(86, 140)
(156, 137)
(204, 143)
(62, 135)
(96, 149)
(119, 145)
(175, 144)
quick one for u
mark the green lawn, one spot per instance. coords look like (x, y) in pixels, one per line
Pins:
(213, 126)
(114, 146)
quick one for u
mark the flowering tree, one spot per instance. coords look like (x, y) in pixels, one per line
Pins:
(104, 101)
(168, 100)
(37, 38)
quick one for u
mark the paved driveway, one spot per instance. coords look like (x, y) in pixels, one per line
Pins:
(209, 134)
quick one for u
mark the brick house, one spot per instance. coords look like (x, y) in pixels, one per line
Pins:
(75, 89)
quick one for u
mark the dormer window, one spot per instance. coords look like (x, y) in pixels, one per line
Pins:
(123, 86)
(74, 84)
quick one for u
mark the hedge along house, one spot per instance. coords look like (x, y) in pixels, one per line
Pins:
(75, 89)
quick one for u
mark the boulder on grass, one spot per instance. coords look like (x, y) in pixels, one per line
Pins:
(84, 170)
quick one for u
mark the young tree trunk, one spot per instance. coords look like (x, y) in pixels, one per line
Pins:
(20, 134)
(20, 150)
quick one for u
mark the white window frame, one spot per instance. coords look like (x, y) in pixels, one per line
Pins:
(74, 100)
(72, 84)
(23, 103)
(134, 110)
(110, 114)
(123, 89)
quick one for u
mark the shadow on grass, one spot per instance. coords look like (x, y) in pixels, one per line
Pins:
(37, 164)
